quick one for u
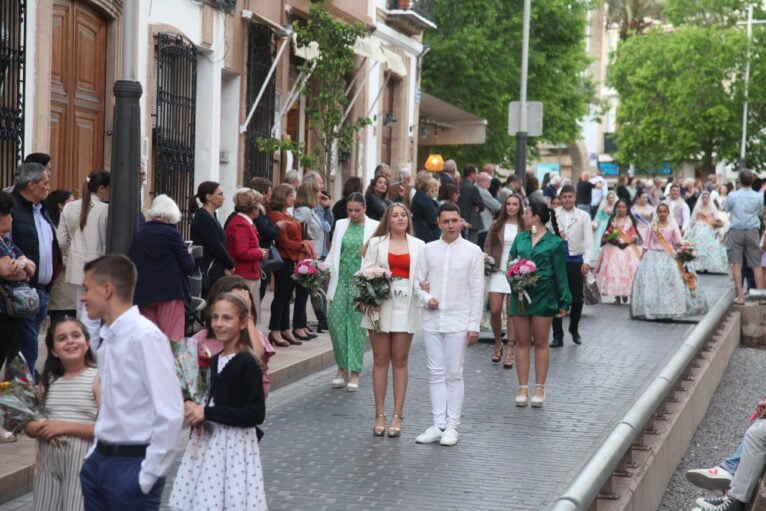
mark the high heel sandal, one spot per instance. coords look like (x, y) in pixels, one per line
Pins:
(497, 354)
(521, 401)
(290, 339)
(379, 430)
(537, 402)
(508, 363)
(278, 342)
(394, 432)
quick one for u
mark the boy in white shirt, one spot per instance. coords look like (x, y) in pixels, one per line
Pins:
(453, 269)
(141, 410)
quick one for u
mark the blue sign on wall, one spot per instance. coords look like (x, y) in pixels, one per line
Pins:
(543, 168)
(609, 168)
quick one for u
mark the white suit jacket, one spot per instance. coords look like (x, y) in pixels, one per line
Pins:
(377, 255)
(333, 256)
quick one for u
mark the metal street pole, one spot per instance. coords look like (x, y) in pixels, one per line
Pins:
(521, 135)
(742, 148)
(124, 199)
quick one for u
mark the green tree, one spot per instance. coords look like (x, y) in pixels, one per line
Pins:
(681, 96)
(709, 12)
(474, 63)
(633, 16)
(326, 98)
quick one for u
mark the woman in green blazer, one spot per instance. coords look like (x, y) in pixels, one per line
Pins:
(549, 298)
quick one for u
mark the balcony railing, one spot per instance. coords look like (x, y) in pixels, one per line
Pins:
(421, 12)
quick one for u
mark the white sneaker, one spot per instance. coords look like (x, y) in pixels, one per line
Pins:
(429, 436)
(449, 437)
(714, 478)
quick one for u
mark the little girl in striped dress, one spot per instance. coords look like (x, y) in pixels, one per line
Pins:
(70, 386)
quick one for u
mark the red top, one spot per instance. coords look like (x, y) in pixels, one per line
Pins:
(399, 265)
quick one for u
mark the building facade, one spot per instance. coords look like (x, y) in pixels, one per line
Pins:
(202, 65)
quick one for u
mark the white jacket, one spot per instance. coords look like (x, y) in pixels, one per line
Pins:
(333, 256)
(83, 245)
(377, 255)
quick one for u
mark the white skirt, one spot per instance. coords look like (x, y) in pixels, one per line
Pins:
(220, 470)
(400, 305)
(498, 283)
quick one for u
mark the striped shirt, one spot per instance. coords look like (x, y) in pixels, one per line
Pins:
(72, 399)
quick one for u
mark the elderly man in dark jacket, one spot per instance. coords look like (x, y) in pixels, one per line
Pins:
(35, 235)
(470, 202)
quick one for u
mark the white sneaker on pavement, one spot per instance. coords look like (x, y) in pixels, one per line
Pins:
(714, 478)
(429, 436)
(449, 437)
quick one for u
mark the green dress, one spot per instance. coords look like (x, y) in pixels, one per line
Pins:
(345, 322)
(551, 293)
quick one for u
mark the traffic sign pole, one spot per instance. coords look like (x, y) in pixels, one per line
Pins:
(522, 134)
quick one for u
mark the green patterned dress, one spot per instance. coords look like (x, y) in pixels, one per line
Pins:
(345, 322)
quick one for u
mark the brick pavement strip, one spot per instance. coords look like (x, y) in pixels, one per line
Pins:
(319, 453)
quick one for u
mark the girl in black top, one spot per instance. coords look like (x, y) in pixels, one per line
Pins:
(221, 467)
(207, 231)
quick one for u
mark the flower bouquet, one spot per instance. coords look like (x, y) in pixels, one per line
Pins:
(686, 252)
(193, 371)
(372, 285)
(490, 266)
(21, 400)
(522, 274)
(312, 274)
(685, 255)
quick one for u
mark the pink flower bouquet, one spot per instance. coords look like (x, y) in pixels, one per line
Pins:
(312, 274)
(372, 286)
(522, 274)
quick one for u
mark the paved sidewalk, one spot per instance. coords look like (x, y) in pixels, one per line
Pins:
(319, 453)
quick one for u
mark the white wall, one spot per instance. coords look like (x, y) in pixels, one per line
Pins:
(229, 140)
(185, 17)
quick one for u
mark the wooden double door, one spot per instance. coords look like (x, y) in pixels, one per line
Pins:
(78, 93)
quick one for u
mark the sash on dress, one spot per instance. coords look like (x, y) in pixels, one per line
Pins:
(688, 277)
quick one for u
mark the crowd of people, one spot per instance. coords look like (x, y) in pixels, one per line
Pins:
(448, 241)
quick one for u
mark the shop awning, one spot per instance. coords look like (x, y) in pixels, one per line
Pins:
(444, 124)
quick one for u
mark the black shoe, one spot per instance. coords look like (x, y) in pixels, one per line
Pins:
(556, 343)
(302, 337)
(720, 504)
(322, 327)
(576, 339)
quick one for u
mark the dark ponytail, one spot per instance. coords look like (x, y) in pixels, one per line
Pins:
(554, 222)
(541, 210)
(93, 182)
(204, 189)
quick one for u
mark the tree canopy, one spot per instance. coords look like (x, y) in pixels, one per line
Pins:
(474, 63)
(675, 104)
(681, 88)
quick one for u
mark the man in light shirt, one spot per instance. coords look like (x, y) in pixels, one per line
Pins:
(576, 231)
(679, 209)
(449, 282)
(141, 410)
(743, 240)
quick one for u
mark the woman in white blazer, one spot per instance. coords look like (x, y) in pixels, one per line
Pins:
(393, 247)
(343, 319)
(82, 231)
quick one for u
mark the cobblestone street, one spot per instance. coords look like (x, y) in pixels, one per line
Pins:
(318, 451)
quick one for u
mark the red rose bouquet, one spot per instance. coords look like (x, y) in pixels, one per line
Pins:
(522, 274)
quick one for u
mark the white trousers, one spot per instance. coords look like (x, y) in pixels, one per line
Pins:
(444, 354)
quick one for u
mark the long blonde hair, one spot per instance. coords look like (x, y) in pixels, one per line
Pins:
(384, 227)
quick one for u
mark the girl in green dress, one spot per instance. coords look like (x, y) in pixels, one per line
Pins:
(344, 320)
(549, 298)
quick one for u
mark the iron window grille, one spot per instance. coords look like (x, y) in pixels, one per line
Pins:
(12, 67)
(260, 56)
(173, 120)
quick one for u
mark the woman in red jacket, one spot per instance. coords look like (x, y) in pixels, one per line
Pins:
(242, 242)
